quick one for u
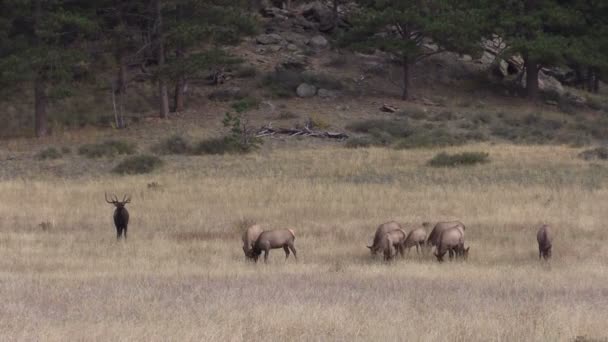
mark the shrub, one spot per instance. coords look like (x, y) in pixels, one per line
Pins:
(416, 114)
(246, 71)
(229, 94)
(337, 61)
(108, 148)
(594, 153)
(392, 127)
(459, 159)
(138, 165)
(360, 142)
(175, 144)
(246, 104)
(433, 138)
(286, 115)
(66, 150)
(49, 153)
(214, 146)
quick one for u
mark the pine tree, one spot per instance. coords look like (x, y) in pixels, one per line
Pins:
(535, 30)
(196, 31)
(40, 48)
(403, 27)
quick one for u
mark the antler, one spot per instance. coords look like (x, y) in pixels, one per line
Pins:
(126, 199)
(106, 196)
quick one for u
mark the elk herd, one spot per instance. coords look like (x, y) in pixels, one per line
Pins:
(390, 239)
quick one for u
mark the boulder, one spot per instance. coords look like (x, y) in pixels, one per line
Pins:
(319, 13)
(306, 90)
(319, 42)
(269, 39)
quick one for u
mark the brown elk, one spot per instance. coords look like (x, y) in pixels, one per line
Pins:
(250, 236)
(433, 239)
(544, 236)
(272, 239)
(416, 237)
(379, 235)
(121, 215)
(452, 241)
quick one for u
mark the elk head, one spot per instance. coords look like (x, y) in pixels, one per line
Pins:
(118, 204)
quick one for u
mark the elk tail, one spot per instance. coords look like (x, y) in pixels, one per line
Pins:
(293, 233)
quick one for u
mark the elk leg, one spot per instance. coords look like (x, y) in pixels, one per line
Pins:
(293, 250)
(418, 248)
(118, 233)
(540, 253)
(266, 251)
(286, 249)
(125, 232)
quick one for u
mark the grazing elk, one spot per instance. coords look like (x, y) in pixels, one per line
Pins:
(250, 236)
(392, 243)
(433, 239)
(544, 236)
(272, 239)
(452, 241)
(121, 215)
(416, 237)
(379, 236)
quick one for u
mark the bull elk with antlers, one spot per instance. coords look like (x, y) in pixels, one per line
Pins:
(121, 215)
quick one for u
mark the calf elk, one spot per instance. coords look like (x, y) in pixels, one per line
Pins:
(121, 215)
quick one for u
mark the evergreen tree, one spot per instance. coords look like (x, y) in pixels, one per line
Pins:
(534, 29)
(402, 27)
(196, 31)
(40, 45)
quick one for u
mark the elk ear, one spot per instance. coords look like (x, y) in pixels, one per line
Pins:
(370, 247)
(467, 249)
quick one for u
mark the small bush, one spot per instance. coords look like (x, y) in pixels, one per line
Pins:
(316, 121)
(175, 144)
(416, 114)
(286, 115)
(459, 159)
(224, 95)
(391, 127)
(246, 71)
(595, 153)
(138, 165)
(337, 61)
(433, 138)
(214, 146)
(360, 142)
(66, 150)
(108, 148)
(246, 104)
(49, 153)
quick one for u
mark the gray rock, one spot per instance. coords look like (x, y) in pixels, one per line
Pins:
(275, 48)
(292, 47)
(269, 39)
(306, 90)
(319, 42)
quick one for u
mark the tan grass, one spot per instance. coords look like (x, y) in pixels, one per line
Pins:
(182, 276)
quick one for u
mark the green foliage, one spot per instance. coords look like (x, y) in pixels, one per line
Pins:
(241, 136)
(109, 148)
(49, 153)
(138, 165)
(459, 159)
(215, 146)
(595, 153)
(246, 104)
(175, 144)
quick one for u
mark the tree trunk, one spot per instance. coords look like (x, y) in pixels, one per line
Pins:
(596, 81)
(41, 125)
(162, 83)
(531, 78)
(41, 102)
(406, 78)
(180, 84)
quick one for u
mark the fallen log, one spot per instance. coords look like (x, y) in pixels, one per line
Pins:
(268, 130)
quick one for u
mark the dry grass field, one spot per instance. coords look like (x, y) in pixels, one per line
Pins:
(181, 276)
